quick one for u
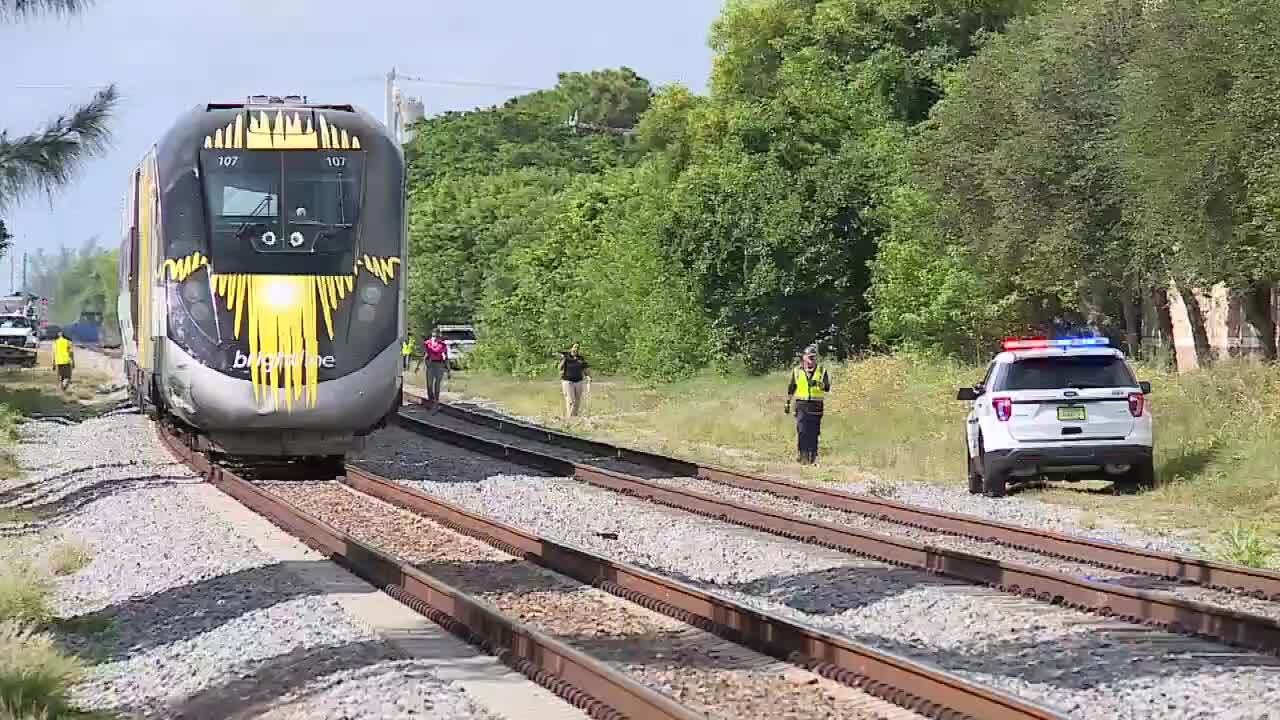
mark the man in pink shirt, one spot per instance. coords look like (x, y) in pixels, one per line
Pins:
(437, 355)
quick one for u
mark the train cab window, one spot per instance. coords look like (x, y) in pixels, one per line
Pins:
(322, 192)
(282, 212)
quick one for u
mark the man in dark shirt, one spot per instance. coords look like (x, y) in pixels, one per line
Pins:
(809, 384)
(573, 369)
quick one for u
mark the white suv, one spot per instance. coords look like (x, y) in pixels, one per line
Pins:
(1061, 409)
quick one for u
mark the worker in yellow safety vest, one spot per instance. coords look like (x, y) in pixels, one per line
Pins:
(63, 360)
(406, 350)
(809, 384)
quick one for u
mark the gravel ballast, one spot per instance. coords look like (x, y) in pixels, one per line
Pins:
(1016, 509)
(1081, 664)
(181, 616)
(1227, 599)
(691, 666)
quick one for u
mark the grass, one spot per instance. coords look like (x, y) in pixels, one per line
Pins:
(35, 391)
(30, 391)
(24, 595)
(69, 558)
(895, 419)
(1243, 545)
(35, 674)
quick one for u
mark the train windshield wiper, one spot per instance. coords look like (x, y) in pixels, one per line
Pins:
(265, 204)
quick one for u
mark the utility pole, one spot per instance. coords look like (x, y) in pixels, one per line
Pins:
(389, 116)
(25, 287)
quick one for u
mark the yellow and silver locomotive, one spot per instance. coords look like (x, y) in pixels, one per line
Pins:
(261, 277)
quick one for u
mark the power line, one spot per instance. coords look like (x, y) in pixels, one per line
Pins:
(453, 83)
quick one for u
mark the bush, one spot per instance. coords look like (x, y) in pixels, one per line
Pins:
(34, 675)
(24, 595)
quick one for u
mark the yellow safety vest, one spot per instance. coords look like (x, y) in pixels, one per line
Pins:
(803, 390)
(62, 351)
(406, 349)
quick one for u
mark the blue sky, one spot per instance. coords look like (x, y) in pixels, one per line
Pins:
(169, 55)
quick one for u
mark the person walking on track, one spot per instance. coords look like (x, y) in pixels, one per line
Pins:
(809, 384)
(64, 360)
(573, 369)
(406, 350)
(437, 355)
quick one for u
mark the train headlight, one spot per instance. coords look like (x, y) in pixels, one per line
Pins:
(281, 292)
(371, 294)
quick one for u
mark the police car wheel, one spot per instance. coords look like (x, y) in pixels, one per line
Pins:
(994, 484)
(1140, 477)
(975, 477)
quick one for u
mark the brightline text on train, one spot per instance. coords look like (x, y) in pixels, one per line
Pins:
(267, 362)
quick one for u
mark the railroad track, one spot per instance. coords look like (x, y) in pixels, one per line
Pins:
(701, 644)
(1096, 581)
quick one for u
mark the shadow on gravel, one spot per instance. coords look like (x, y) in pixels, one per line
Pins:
(837, 590)
(398, 454)
(182, 613)
(255, 687)
(607, 463)
(34, 490)
(52, 511)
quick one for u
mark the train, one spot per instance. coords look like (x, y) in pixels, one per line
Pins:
(262, 277)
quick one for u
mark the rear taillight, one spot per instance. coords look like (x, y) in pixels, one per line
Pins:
(1137, 403)
(1003, 407)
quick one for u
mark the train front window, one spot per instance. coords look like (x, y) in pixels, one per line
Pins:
(282, 212)
(322, 196)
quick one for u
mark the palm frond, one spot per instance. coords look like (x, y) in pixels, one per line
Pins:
(11, 10)
(49, 159)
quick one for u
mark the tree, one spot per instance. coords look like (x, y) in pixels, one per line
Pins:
(1200, 149)
(5, 238)
(49, 158)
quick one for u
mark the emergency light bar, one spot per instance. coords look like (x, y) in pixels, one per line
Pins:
(1042, 343)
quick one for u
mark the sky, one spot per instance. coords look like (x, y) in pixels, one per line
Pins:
(167, 56)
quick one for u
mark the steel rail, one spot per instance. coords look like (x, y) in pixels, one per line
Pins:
(1145, 607)
(929, 691)
(1259, 583)
(585, 682)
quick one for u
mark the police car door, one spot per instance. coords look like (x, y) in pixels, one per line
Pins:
(972, 427)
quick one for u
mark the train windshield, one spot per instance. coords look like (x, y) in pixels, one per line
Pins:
(287, 213)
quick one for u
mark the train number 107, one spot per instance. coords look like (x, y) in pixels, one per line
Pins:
(228, 160)
(336, 161)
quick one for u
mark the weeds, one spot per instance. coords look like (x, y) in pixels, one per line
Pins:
(1243, 545)
(69, 558)
(24, 595)
(35, 677)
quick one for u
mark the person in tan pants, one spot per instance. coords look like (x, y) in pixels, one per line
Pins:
(573, 372)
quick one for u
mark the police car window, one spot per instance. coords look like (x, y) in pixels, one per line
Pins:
(14, 323)
(1080, 371)
(986, 379)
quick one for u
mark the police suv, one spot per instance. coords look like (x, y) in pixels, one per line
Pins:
(1067, 409)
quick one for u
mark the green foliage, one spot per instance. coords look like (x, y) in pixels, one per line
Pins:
(1086, 157)
(24, 595)
(594, 273)
(35, 676)
(930, 174)
(74, 281)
